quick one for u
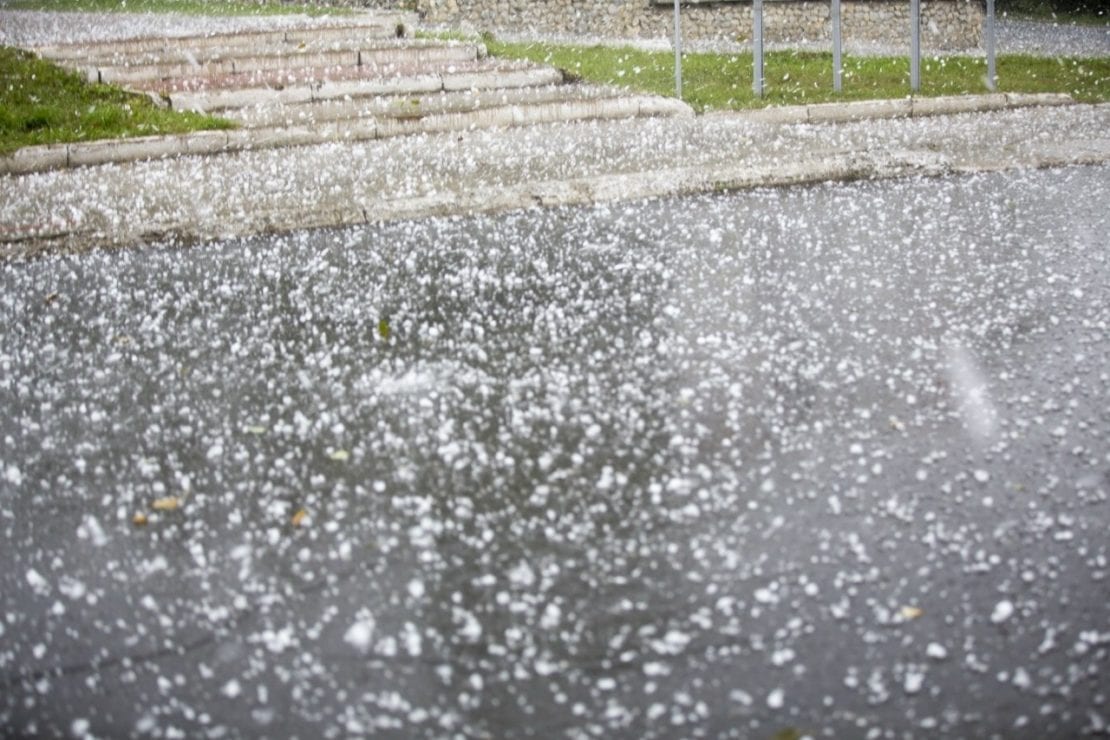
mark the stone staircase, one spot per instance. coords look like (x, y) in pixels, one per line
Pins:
(365, 77)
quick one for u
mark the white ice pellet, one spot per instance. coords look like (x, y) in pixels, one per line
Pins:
(13, 475)
(936, 651)
(37, 582)
(913, 681)
(1003, 610)
(359, 634)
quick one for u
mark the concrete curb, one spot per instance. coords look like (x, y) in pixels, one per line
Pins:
(488, 199)
(898, 108)
(60, 156)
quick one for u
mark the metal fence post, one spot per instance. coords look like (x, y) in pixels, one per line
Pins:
(992, 76)
(915, 45)
(837, 66)
(677, 52)
(757, 48)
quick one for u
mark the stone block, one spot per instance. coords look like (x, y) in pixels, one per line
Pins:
(859, 110)
(206, 142)
(125, 150)
(35, 159)
(501, 79)
(270, 138)
(415, 85)
(784, 114)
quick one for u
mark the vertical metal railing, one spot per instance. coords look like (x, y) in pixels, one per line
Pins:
(677, 51)
(757, 48)
(992, 75)
(915, 45)
(838, 67)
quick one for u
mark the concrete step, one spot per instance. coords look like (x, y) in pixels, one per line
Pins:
(366, 27)
(412, 107)
(510, 116)
(184, 54)
(487, 75)
(279, 79)
(407, 54)
(351, 82)
(495, 116)
(39, 159)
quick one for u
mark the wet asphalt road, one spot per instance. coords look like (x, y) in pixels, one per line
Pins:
(829, 461)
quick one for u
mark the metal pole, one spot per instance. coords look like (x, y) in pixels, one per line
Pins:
(915, 45)
(992, 76)
(837, 66)
(677, 52)
(757, 47)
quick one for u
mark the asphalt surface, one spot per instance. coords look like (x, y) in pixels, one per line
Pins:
(827, 461)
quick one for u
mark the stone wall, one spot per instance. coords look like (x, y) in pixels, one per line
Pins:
(945, 24)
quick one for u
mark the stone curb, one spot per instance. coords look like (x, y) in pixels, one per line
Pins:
(44, 158)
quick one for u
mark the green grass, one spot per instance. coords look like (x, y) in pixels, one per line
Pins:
(188, 7)
(44, 104)
(724, 81)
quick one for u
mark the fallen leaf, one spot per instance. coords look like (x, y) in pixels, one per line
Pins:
(256, 430)
(340, 455)
(299, 517)
(168, 503)
(50, 298)
(139, 520)
(383, 328)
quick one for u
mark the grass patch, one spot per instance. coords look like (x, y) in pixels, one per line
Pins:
(41, 103)
(724, 81)
(186, 7)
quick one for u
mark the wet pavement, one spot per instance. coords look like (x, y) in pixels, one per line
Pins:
(1052, 39)
(826, 461)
